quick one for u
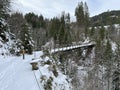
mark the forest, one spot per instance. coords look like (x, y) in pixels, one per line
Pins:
(30, 32)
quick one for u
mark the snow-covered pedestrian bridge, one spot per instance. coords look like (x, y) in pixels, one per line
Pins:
(72, 47)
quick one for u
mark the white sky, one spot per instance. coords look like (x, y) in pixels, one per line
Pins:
(51, 8)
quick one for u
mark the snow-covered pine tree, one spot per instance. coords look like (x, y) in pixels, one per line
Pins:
(3, 30)
(4, 5)
(26, 39)
(4, 8)
(7, 39)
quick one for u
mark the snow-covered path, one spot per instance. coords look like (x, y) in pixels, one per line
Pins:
(17, 74)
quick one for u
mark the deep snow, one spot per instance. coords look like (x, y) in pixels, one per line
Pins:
(17, 74)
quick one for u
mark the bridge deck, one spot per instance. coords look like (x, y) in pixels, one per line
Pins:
(72, 47)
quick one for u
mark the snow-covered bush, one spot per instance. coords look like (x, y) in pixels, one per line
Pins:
(48, 85)
(55, 71)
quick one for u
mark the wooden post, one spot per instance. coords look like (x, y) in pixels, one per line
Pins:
(23, 52)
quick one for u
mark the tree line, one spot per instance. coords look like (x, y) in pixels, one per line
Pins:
(39, 29)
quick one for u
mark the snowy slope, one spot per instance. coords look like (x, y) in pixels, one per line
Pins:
(17, 74)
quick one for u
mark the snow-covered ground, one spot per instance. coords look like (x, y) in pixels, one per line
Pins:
(17, 74)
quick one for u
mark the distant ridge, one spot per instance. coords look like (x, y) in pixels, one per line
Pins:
(106, 18)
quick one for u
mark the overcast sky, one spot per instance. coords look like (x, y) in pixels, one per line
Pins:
(51, 8)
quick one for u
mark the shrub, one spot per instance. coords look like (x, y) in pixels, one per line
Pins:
(43, 78)
(48, 85)
(48, 62)
(55, 71)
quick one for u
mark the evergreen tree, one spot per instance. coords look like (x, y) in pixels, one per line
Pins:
(117, 60)
(62, 30)
(82, 17)
(16, 20)
(116, 74)
(54, 28)
(68, 30)
(92, 32)
(79, 13)
(61, 35)
(35, 20)
(86, 18)
(108, 63)
(26, 39)
(41, 22)
(108, 53)
(86, 15)
(67, 18)
(102, 33)
(4, 7)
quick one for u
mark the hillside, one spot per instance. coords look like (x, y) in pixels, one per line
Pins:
(106, 18)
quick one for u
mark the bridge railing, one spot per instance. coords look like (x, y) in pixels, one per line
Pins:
(71, 47)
